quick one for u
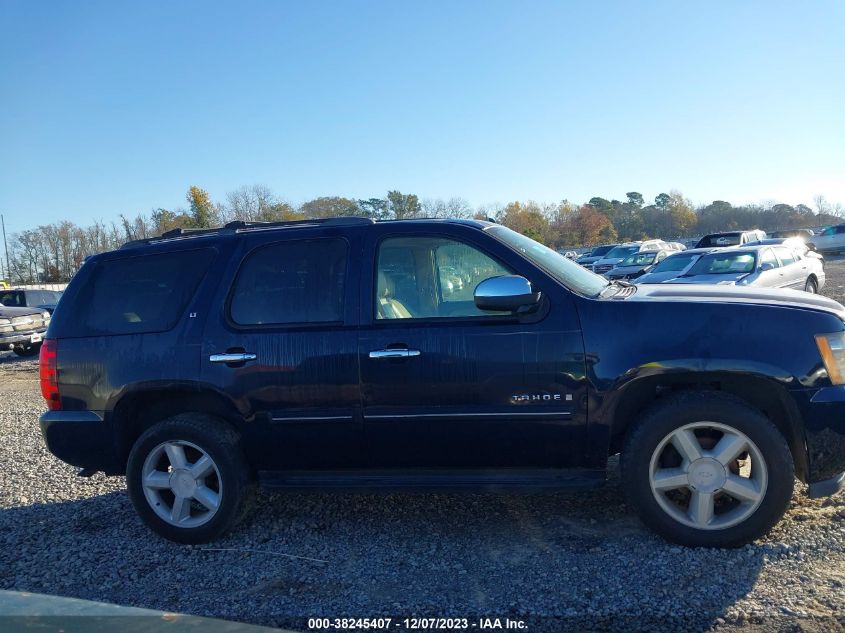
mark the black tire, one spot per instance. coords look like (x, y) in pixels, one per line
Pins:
(28, 351)
(222, 444)
(675, 411)
(811, 286)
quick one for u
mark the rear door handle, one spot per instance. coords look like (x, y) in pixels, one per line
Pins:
(394, 353)
(240, 357)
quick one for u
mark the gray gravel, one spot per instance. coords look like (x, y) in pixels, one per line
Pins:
(560, 561)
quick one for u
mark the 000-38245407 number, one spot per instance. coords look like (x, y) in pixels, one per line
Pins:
(409, 624)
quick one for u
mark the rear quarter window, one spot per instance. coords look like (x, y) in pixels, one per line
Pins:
(142, 294)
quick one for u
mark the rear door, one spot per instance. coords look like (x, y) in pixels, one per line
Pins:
(445, 384)
(792, 275)
(284, 346)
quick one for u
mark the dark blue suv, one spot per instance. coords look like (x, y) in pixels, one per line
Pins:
(352, 354)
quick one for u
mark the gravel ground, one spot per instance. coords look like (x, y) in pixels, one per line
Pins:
(560, 562)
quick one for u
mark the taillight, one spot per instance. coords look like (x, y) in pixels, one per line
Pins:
(49, 374)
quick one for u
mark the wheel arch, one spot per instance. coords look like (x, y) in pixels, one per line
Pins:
(761, 392)
(142, 407)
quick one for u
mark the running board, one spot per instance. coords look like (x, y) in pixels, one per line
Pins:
(433, 479)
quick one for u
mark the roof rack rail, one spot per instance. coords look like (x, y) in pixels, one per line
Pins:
(240, 225)
(338, 221)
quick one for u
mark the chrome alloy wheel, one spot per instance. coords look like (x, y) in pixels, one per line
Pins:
(708, 476)
(182, 484)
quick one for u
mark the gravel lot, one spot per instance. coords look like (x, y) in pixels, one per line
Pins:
(558, 561)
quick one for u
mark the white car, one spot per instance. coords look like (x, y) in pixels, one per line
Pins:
(623, 251)
(831, 240)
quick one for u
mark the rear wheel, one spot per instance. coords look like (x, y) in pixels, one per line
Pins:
(706, 469)
(188, 479)
(28, 350)
(812, 285)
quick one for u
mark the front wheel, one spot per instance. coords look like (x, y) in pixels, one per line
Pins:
(705, 469)
(188, 479)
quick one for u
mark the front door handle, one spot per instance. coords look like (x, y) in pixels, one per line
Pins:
(239, 357)
(394, 353)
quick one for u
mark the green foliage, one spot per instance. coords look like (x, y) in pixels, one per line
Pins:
(403, 205)
(201, 209)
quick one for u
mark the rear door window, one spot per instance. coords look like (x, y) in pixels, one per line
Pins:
(147, 293)
(785, 256)
(292, 282)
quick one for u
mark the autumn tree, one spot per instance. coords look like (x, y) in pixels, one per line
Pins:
(403, 205)
(329, 207)
(588, 227)
(202, 210)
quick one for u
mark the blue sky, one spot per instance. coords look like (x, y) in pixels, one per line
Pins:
(117, 107)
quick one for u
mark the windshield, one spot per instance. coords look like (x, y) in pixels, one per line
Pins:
(600, 251)
(724, 264)
(639, 259)
(621, 252)
(562, 269)
(728, 239)
(674, 263)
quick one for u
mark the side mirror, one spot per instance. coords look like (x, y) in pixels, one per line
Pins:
(766, 266)
(506, 293)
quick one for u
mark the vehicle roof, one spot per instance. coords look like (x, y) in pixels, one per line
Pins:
(698, 251)
(740, 232)
(238, 228)
(745, 249)
(778, 241)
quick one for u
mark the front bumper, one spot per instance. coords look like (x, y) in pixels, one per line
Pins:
(79, 438)
(14, 339)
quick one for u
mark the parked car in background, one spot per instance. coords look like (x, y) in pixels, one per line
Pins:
(675, 265)
(637, 264)
(676, 246)
(323, 354)
(765, 266)
(588, 259)
(22, 329)
(622, 251)
(26, 298)
(830, 240)
(803, 234)
(730, 238)
(795, 243)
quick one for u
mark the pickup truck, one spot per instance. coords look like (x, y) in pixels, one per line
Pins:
(22, 329)
(344, 354)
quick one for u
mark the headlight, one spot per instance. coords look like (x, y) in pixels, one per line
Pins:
(46, 316)
(832, 350)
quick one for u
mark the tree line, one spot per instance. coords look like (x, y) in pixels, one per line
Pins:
(54, 252)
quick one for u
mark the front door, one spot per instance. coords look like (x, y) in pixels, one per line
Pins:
(445, 384)
(284, 347)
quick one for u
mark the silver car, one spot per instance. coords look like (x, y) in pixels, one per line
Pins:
(764, 266)
(673, 266)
